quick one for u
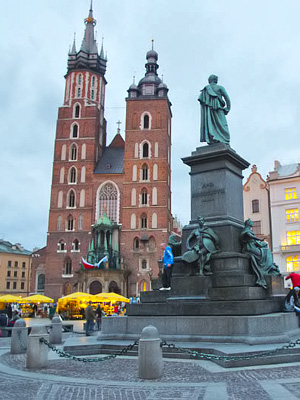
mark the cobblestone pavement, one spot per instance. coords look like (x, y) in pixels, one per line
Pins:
(117, 379)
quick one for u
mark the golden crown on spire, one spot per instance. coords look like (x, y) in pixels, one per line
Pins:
(90, 19)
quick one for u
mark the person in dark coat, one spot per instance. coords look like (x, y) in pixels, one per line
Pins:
(99, 314)
(90, 318)
(8, 311)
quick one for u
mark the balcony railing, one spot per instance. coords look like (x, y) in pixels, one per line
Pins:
(290, 248)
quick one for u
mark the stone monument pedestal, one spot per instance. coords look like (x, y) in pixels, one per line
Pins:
(217, 193)
(226, 306)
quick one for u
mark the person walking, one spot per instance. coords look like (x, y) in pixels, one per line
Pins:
(293, 293)
(99, 314)
(168, 262)
(90, 318)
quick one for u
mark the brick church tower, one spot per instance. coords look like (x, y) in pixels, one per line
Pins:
(110, 202)
(80, 140)
(147, 217)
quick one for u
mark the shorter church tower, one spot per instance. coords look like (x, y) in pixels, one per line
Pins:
(146, 219)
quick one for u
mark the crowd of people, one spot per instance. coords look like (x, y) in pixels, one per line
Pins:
(92, 315)
(8, 316)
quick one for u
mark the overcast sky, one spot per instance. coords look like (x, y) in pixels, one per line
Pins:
(254, 48)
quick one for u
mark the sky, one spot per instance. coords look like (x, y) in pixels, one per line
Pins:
(254, 48)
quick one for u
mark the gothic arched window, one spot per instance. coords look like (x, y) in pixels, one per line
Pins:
(145, 172)
(75, 245)
(133, 221)
(144, 221)
(60, 199)
(72, 175)
(80, 222)
(71, 199)
(68, 267)
(134, 173)
(145, 150)
(70, 223)
(144, 197)
(108, 201)
(61, 245)
(75, 131)
(146, 121)
(77, 111)
(41, 282)
(63, 152)
(136, 244)
(59, 223)
(73, 152)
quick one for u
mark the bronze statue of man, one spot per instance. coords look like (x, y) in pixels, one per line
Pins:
(201, 243)
(215, 104)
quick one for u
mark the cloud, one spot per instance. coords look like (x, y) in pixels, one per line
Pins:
(252, 46)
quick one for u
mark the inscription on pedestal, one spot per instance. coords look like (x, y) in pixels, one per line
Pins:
(208, 192)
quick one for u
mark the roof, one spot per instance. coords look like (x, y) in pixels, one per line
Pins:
(287, 170)
(254, 172)
(7, 247)
(284, 171)
(117, 141)
(111, 161)
(103, 220)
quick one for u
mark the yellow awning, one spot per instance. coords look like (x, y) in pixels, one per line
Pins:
(111, 297)
(36, 298)
(9, 298)
(79, 296)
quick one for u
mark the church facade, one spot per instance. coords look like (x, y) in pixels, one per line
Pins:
(110, 205)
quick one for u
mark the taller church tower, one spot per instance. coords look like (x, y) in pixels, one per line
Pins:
(80, 141)
(147, 220)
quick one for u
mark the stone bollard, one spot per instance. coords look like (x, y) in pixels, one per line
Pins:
(55, 336)
(37, 352)
(150, 354)
(19, 336)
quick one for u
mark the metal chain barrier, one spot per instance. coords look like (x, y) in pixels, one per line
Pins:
(23, 345)
(207, 356)
(193, 353)
(64, 354)
(76, 332)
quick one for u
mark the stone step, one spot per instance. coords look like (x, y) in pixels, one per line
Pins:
(156, 296)
(237, 293)
(183, 306)
(187, 285)
(107, 348)
(178, 352)
(233, 280)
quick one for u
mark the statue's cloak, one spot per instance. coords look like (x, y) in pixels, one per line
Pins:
(214, 126)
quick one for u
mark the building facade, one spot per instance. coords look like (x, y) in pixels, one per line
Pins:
(284, 186)
(147, 220)
(15, 269)
(256, 204)
(38, 266)
(108, 201)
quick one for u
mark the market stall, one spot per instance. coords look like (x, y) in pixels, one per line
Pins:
(73, 305)
(111, 303)
(35, 305)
